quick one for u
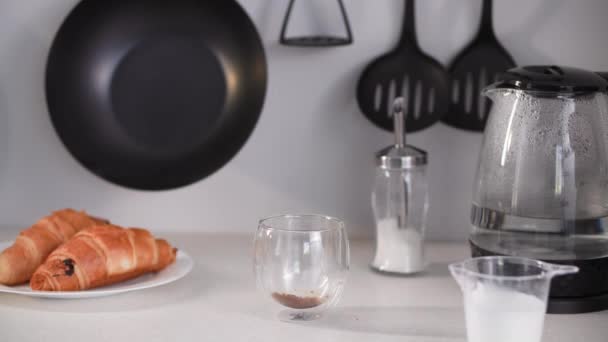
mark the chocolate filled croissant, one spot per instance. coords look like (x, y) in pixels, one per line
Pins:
(102, 255)
(19, 261)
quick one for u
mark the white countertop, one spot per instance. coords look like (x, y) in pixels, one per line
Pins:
(218, 302)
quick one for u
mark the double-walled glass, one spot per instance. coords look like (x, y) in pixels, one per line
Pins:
(301, 262)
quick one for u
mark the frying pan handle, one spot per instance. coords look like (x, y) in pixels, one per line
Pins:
(408, 30)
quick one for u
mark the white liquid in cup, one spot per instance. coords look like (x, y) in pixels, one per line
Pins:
(494, 314)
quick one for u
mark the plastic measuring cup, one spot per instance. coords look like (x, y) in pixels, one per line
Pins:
(505, 298)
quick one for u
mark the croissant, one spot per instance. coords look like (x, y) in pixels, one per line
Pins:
(102, 255)
(19, 261)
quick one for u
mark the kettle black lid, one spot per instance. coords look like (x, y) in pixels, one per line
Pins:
(553, 79)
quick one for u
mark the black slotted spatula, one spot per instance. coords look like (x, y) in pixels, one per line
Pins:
(408, 72)
(477, 66)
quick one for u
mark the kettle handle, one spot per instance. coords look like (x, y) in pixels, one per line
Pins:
(603, 74)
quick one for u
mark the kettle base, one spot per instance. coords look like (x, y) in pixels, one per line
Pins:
(569, 304)
(558, 305)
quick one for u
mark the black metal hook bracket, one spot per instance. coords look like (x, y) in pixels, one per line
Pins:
(316, 41)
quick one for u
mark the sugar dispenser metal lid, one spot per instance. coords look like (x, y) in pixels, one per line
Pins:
(400, 155)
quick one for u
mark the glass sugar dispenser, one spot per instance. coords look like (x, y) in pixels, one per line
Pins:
(400, 203)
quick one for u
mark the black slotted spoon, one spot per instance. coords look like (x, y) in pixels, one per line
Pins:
(408, 72)
(478, 65)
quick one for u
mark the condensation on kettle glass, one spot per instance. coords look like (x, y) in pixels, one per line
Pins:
(544, 165)
(549, 155)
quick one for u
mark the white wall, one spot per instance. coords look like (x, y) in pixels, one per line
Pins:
(312, 150)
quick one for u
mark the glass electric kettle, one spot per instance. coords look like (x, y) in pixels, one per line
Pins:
(541, 189)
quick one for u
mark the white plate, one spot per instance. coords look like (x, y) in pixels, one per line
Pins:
(183, 265)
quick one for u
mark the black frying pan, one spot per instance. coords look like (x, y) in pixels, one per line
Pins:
(155, 94)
